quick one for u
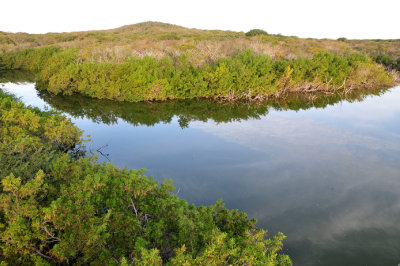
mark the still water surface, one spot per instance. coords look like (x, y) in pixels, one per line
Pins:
(328, 177)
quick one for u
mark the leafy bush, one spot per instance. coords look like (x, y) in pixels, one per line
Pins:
(384, 60)
(387, 61)
(243, 76)
(82, 212)
(255, 32)
(30, 139)
(76, 211)
(27, 59)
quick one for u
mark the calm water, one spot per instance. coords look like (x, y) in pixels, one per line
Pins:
(328, 176)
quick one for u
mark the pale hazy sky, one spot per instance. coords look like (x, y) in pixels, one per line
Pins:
(303, 18)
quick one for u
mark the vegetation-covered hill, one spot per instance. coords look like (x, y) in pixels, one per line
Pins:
(159, 39)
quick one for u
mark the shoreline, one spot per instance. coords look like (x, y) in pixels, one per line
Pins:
(244, 76)
(252, 98)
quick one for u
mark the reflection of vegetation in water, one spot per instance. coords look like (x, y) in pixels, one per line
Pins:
(186, 111)
(143, 113)
(152, 113)
(301, 101)
(16, 76)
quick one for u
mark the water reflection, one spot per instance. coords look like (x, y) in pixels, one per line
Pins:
(186, 111)
(325, 172)
(333, 191)
(16, 76)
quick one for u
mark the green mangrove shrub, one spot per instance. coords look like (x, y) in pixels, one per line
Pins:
(388, 61)
(255, 32)
(27, 59)
(30, 138)
(66, 210)
(243, 76)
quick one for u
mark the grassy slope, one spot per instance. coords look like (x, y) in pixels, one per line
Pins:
(159, 39)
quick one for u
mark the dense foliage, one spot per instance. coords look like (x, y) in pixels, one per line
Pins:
(66, 210)
(255, 32)
(30, 138)
(388, 61)
(245, 75)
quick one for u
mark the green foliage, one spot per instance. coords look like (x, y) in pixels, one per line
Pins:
(170, 36)
(255, 32)
(387, 61)
(27, 59)
(244, 76)
(30, 138)
(384, 59)
(76, 211)
(81, 212)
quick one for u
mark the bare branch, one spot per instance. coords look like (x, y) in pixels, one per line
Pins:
(134, 207)
(42, 255)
